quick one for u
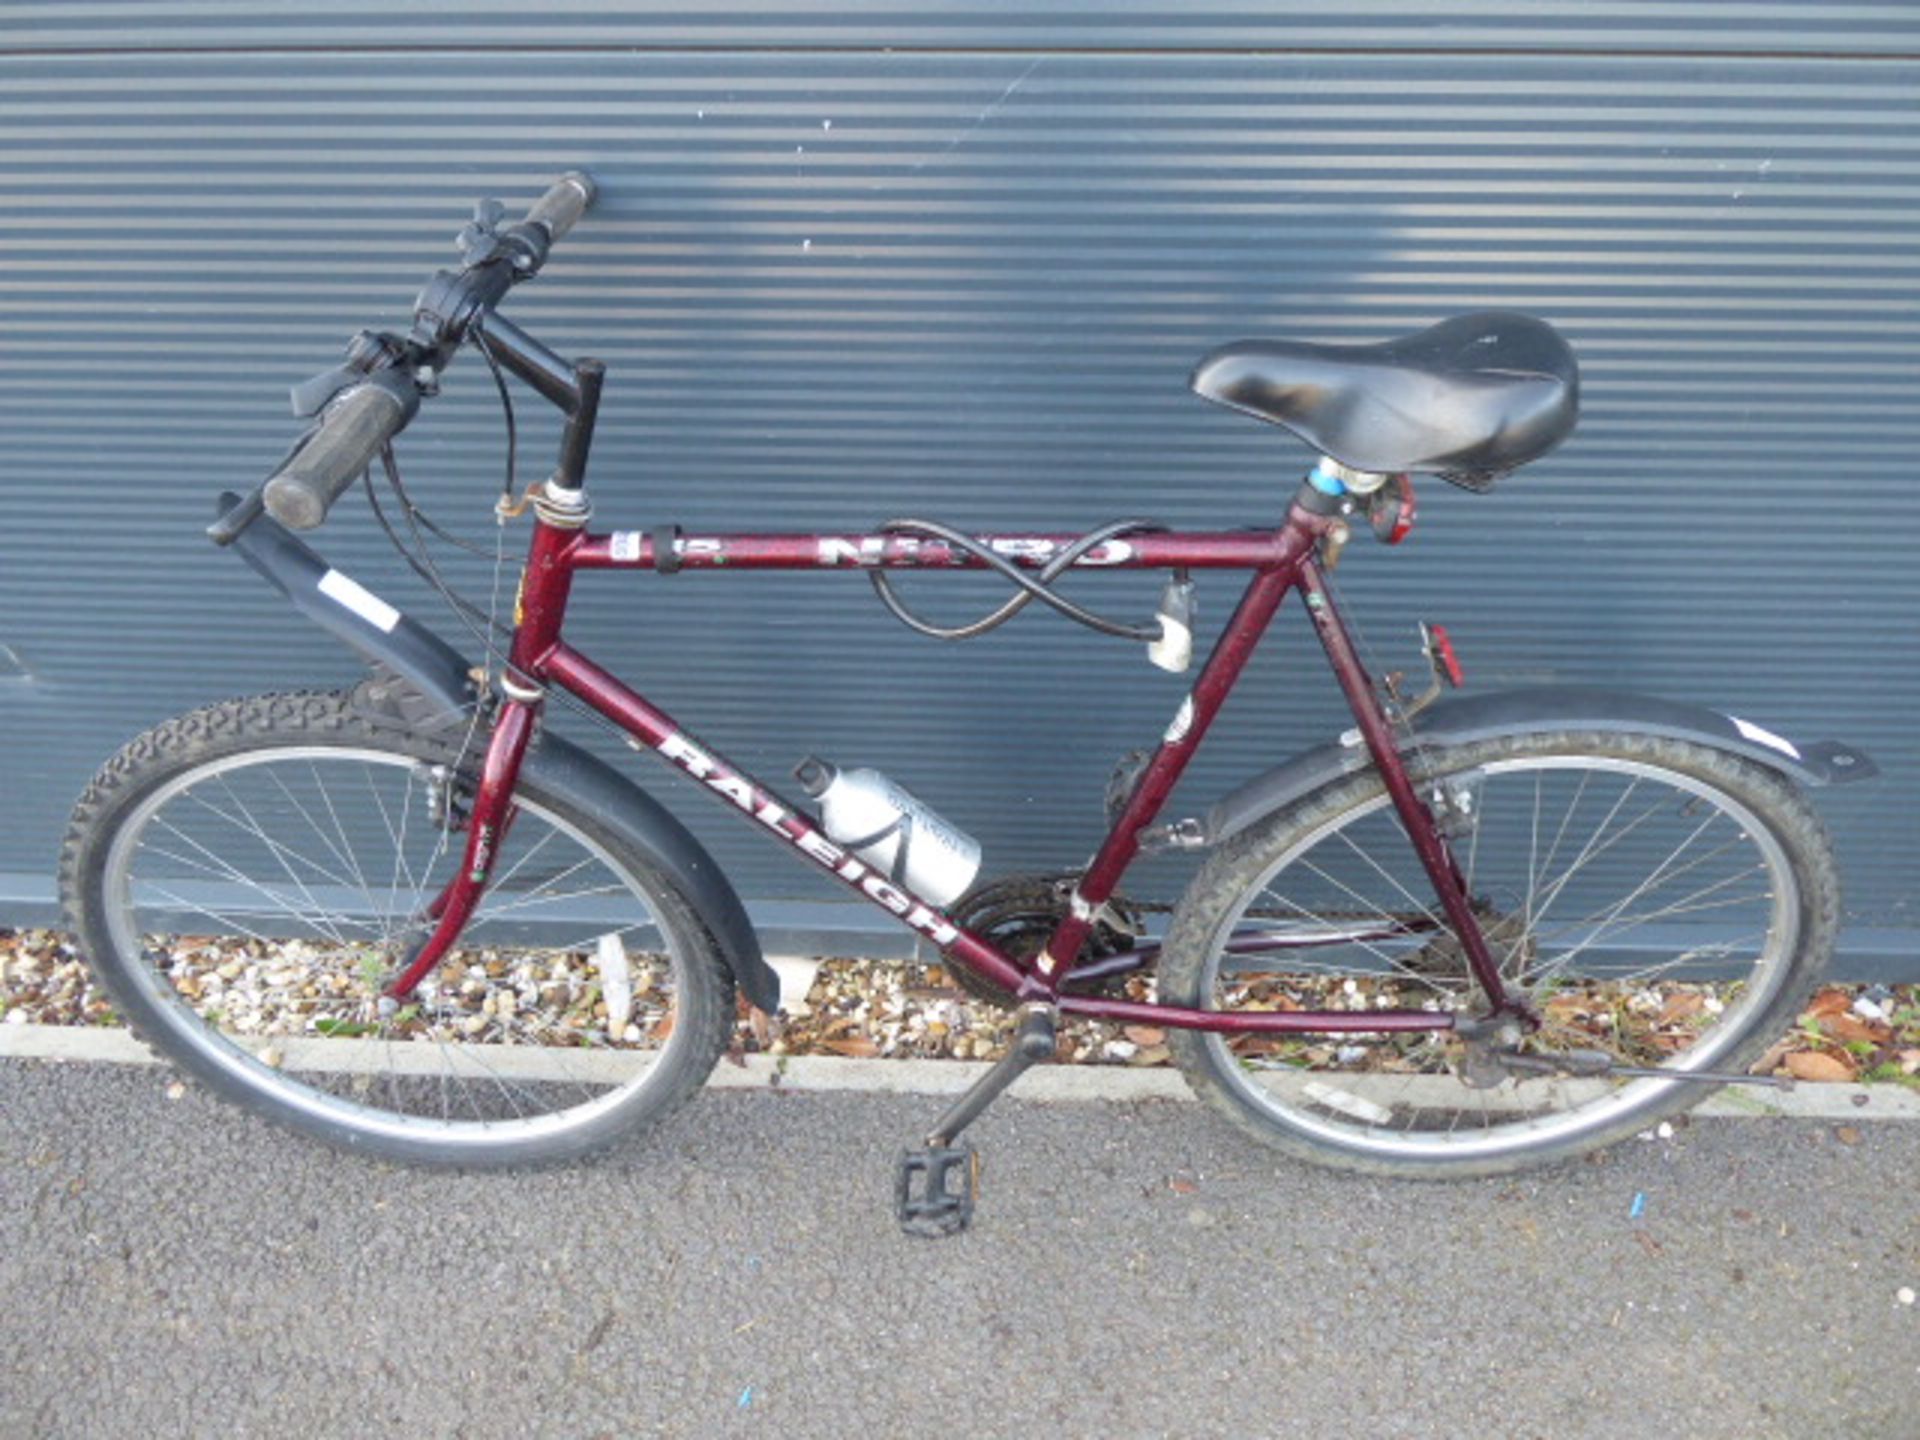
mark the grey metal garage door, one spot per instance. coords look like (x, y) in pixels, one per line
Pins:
(956, 261)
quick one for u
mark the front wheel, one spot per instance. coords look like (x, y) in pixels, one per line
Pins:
(1660, 902)
(246, 879)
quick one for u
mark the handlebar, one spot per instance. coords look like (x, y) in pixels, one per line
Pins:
(566, 200)
(365, 415)
(352, 431)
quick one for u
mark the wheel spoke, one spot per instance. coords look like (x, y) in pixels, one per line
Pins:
(1689, 906)
(510, 1042)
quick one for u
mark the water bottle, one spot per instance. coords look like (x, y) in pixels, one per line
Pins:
(891, 830)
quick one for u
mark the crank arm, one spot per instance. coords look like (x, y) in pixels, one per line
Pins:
(1597, 1063)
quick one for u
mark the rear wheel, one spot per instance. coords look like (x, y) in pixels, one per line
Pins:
(1659, 902)
(245, 880)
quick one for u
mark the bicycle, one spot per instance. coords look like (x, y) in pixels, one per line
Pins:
(413, 920)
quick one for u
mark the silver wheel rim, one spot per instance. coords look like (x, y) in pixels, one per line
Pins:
(1523, 1114)
(331, 1075)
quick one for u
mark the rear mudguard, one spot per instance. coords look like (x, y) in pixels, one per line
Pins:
(422, 682)
(1461, 720)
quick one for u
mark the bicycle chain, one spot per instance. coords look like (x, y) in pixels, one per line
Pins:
(1019, 912)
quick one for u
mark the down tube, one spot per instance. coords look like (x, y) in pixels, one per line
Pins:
(578, 675)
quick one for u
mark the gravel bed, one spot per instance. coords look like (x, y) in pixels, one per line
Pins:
(909, 1010)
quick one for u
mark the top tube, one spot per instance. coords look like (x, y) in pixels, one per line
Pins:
(1148, 550)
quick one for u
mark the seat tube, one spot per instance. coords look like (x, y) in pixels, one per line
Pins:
(1377, 731)
(1230, 655)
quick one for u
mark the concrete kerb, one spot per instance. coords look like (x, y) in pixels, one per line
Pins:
(1064, 1084)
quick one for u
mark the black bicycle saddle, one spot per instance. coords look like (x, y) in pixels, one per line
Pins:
(1470, 399)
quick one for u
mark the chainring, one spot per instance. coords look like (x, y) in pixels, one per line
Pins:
(1018, 915)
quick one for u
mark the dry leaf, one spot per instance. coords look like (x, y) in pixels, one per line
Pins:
(1830, 1002)
(858, 1047)
(1847, 1134)
(1813, 1065)
(1851, 1027)
(1145, 1034)
(1679, 1007)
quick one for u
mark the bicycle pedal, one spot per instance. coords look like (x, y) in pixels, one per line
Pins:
(934, 1189)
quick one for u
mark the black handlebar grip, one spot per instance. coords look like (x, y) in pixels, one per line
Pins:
(352, 429)
(564, 203)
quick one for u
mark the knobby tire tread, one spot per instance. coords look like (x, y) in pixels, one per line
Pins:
(234, 726)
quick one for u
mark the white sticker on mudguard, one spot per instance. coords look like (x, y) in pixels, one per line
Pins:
(1761, 736)
(347, 591)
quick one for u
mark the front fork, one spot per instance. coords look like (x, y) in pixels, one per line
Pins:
(1436, 856)
(487, 822)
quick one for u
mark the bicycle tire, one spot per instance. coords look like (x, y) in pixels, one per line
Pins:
(1388, 1106)
(261, 821)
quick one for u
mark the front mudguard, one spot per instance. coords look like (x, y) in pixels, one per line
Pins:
(1464, 719)
(423, 683)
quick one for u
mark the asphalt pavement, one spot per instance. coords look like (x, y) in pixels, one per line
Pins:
(172, 1267)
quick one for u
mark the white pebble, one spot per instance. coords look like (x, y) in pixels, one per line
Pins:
(1904, 1295)
(1665, 1131)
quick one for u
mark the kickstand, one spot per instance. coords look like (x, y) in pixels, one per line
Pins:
(935, 1185)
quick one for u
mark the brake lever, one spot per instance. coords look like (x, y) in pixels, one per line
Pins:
(367, 352)
(479, 238)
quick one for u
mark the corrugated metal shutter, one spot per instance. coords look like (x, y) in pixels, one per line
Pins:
(864, 262)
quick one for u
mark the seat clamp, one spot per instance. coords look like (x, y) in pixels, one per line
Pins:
(1333, 478)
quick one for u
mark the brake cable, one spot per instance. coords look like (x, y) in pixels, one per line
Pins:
(1030, 588)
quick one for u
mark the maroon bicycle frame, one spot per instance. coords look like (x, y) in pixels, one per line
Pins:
(1280, 560)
